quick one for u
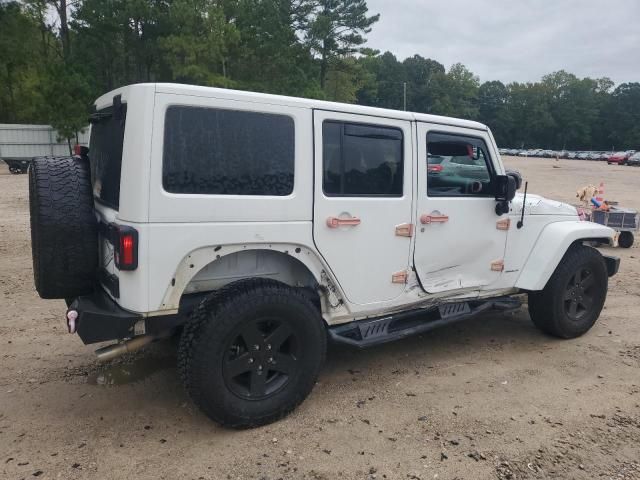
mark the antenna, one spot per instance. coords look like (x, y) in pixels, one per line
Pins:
(520, 223)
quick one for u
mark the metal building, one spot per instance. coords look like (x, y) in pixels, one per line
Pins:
(20, 143)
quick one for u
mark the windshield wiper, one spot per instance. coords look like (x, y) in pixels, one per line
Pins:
(99, 116)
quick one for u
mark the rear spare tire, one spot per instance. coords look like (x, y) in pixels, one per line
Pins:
(64, 229)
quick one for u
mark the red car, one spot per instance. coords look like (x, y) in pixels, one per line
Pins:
(619, 157)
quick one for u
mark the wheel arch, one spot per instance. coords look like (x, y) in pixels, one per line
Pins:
(211, 268)
(551, 246)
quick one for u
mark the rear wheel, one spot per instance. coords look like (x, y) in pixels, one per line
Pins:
(573, 298)
(252, 352)
(625, 240)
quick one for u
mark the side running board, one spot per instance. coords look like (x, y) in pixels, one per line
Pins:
(375, 331)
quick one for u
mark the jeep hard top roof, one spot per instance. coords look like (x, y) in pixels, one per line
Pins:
(265, 98)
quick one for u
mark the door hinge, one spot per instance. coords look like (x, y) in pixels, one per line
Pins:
(497, 266)
(400, 277)
(503, 224)
(404, 230)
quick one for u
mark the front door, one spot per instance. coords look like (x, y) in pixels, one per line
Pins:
(460, 241)
(362, 205)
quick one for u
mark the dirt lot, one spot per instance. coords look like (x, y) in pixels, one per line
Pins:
(490, 398)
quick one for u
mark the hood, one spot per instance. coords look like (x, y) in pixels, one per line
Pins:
(537, 205)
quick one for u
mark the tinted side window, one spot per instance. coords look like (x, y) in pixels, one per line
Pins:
(458, 166)
(227, 152)
(361, 160)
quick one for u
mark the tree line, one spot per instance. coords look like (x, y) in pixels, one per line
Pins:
(57, 56)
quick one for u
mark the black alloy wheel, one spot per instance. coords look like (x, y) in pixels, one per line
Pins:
(579, 296)
(252, 352)
(572, 299)
(261, 358)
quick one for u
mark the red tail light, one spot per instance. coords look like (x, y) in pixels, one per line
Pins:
(125, 247)
(434, 168)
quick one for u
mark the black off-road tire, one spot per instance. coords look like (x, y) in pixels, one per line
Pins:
(209, 347)
(551, 309)
(625, 240)
(64, 229)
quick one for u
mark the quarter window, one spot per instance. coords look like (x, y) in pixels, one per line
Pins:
(361, 160)
(458, 166)
(227, 152)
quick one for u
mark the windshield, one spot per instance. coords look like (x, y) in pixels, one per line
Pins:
(105, 154)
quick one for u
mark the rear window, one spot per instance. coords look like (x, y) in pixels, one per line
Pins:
(105, 154)
(227, 152)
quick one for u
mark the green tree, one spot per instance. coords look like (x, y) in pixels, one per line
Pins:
(423, 77)
(198, 48)
(493, 110)
(457, 93)
(20, 65)
(533, 123)
(386, 76)
(270, 56)
(624, 116)
(336, 29)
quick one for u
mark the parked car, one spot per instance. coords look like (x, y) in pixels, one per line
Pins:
(619, 158)
(634, 160)
(583, 156)
(465, 166)
(260, 226)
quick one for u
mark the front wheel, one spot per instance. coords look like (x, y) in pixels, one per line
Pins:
(573, 298)
(252, 352)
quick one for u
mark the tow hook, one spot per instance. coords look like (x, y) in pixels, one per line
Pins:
(72, 317)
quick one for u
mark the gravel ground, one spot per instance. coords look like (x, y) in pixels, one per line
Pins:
(489, 398)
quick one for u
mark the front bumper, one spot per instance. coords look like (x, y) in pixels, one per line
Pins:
(100, 318)
(613, 264)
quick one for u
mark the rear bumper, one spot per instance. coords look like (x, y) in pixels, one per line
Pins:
(613, 264)
(100, 318)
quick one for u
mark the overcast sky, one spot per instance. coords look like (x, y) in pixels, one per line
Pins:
(515, 40)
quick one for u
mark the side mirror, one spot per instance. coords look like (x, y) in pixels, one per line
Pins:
(505, 191)
(506, 186)
(516, 175)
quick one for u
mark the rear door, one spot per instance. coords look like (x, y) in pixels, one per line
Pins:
(105, 155)
(460, 241)
(362, 206)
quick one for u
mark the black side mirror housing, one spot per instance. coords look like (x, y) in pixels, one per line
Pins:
(516, 175)
(506, 186)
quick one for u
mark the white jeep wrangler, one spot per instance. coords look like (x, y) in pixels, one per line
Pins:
(261, 226)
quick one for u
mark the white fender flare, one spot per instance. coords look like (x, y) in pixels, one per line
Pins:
(552, 244)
